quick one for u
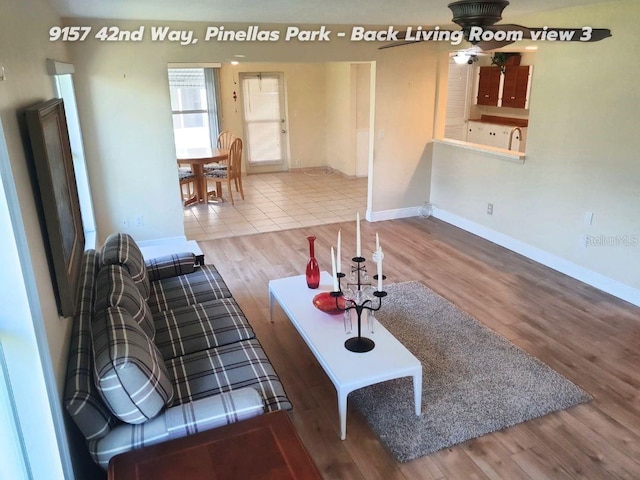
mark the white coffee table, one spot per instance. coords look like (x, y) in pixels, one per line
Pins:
(325, 336)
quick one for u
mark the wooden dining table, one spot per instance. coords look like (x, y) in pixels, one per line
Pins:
(197, 158)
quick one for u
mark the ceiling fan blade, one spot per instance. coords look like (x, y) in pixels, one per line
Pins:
(585, 34)
(492, 44)
(410, 36)
(399, 43)
(511, 27)
(518, 32)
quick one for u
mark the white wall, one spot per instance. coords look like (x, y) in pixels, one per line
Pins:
(582, 152)
(124, 108)
(27, 83)
(361, 91)
(340, 120)
(32, 332)
(404, 122)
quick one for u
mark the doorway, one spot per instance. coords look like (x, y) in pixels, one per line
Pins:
(330, 109)
(264, 120)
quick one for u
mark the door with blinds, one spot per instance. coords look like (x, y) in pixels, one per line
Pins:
(264, 122)
(457, 101)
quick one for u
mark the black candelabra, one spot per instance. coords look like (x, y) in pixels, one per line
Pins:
(359, 296)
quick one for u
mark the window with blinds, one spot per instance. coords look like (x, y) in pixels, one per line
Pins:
(194, 107)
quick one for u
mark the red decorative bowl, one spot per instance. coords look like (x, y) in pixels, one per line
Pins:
(326, 303)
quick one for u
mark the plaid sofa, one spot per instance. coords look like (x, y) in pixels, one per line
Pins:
(159, 350)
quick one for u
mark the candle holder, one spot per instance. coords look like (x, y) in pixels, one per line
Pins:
(360, 298)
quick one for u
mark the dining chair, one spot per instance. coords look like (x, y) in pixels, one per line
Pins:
(225, 139)
(187, 179)
(232, 172)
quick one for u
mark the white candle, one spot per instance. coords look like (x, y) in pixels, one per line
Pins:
(358, 251)
(333, 271)
(339, 254)
(379, 269)
(377, 242)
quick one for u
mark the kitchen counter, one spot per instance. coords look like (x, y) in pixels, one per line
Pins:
(511, 122)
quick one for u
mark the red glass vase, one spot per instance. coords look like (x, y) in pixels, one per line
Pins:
(328, 304)
(313, 270)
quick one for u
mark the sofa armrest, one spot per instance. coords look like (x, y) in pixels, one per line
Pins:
(170, 265)
(214, 411)
(179, 421)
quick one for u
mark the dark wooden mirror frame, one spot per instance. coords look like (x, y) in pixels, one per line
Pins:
(58, 193)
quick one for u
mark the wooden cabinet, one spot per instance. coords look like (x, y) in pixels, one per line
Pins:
(263, 447)
(475, 132)
(515, 86)
(488, 86)
(488, 134)
(510, 89)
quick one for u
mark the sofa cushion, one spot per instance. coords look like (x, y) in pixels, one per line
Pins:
(230, 367)
(81, 397)
(129, 370)
(115, 288)
(192, 328)
(121, 249)
(203, 285)
(213, 411)
(170, 265)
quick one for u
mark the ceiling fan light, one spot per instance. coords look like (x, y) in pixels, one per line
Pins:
(476, 13)
(461, 58)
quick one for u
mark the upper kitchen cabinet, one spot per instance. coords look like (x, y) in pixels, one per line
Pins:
(515, 86)
(504, 89)
(489, 80)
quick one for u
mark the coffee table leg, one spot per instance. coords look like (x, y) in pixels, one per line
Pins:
(417, 391)
(342, 413)
(271, 306)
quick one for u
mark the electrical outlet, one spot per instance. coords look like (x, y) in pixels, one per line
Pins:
(489, 208)
(140, 221)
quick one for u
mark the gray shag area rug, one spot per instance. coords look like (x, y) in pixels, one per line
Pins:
(474, 380)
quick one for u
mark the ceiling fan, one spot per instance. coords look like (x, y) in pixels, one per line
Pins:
(468, 55)
(478, 19)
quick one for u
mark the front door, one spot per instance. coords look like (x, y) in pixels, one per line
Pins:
(264, 122)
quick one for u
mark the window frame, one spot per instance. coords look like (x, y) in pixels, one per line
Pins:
(212, 93)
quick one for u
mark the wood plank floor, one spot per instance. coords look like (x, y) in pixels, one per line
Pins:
(588, 336)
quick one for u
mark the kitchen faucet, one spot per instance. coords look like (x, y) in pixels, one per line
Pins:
(513, 130)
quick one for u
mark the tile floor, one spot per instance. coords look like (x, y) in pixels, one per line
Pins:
(279, 201)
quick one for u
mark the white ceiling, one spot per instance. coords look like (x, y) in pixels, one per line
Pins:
(367, 12)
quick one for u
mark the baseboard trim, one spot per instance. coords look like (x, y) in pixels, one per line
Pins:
(601, 282)
(161, 241)
(392, 214)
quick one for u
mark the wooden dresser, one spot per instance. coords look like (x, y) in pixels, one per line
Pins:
(265, 447)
